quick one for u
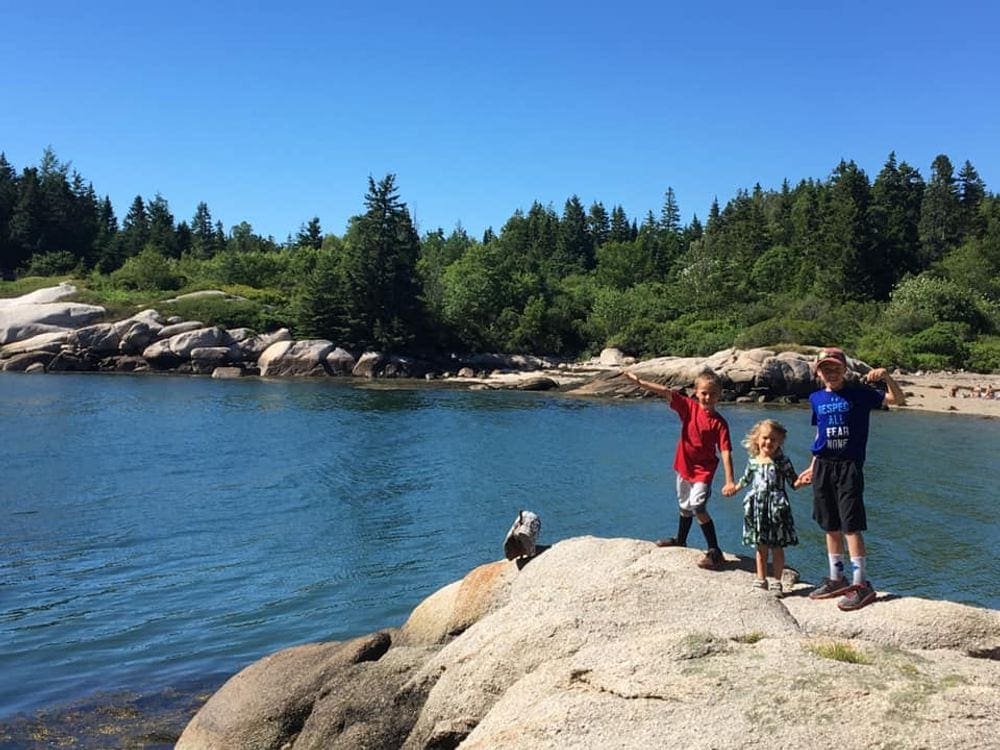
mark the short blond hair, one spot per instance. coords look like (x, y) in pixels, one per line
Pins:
(750, 441)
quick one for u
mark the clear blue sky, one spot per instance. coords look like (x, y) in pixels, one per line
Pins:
(277, 112)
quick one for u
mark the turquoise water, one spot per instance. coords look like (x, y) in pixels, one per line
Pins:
(160, 529)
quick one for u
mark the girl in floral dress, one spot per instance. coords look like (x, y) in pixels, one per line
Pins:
(767, 514)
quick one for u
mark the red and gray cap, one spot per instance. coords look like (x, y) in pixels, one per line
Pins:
(831, 354)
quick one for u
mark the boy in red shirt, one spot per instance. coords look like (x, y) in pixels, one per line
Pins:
(703, 430)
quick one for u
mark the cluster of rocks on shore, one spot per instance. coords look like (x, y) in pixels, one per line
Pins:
(41, 333)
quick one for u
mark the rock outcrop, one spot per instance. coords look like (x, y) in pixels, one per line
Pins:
(601, 643)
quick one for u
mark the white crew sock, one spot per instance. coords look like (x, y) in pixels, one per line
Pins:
(859, 570)
(836, 567)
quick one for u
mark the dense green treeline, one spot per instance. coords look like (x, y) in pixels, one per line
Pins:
(901, 269)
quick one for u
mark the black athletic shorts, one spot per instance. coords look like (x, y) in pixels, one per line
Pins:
(838, 495)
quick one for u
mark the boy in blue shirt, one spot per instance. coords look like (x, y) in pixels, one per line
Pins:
(841, 413)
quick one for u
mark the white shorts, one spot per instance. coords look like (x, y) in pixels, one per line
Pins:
(692, 496)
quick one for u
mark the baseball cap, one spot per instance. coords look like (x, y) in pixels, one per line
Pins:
(831, 354)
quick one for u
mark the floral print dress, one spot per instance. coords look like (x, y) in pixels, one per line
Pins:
(767, 514)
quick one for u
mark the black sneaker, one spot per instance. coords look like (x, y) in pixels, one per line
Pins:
(857, 597)
(829, 588)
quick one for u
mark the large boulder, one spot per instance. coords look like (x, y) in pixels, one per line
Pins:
(295, 358)
(340, 362)
(43, 342)
(381, 365)
(602, 643)
(21, 321)
(169, 352)
(99, 340)
(268, 703)
(253, 344)
(36, 361)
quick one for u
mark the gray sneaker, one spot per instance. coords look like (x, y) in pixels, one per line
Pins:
(829, 588)
(857, 597)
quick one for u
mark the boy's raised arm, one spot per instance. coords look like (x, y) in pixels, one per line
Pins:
(656, 388)
(894, 396)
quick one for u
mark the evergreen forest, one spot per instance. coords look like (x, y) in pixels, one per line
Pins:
(901, 270)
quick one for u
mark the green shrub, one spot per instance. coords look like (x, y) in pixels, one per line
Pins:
(944, 342)
(984, 354)
(883, 349)
(148, 270)
(769, 332)
(921, 301)
(56, 263)
(229, 313)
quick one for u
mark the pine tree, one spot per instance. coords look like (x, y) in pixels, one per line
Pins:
(310, 235)
(940, 212)
(621, 231)
(598, 224)
(893, 216)
(379, 290)
(574, 246)
(670, 214)
(971, 192)
(161, 227)
(135, 228)
(202, 235)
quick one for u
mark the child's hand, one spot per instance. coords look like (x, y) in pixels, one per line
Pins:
(875, 375)
(730, 489)
(806, 477)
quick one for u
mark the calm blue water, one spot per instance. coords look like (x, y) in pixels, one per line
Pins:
(156, 529)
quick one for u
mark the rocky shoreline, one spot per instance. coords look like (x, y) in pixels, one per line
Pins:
(41, 333)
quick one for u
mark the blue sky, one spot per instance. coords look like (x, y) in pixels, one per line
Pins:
(274, 113)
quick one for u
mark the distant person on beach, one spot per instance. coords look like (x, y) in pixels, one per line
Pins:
(703, 432)
(767, 515)
(841, 412)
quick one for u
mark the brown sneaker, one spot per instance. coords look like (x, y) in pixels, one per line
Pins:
(712, 560)
(669, 542)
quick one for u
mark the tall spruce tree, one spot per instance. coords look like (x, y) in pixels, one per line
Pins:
(135, 228)
(380, 293)
(940, 212)
(893, 217)
(310, 235)
(203, 239)
(162, 232)
(971, 191)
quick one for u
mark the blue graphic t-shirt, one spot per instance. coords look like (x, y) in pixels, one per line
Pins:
(841, 419)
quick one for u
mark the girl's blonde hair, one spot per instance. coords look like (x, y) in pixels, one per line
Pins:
(750, 441)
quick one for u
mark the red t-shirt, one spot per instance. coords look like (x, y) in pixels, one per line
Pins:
(701, 433)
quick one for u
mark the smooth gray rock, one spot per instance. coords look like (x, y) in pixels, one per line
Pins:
(268, 703)
(340, 362)
(18, 322)
(43, 342)
(99, 340)
(295, 358)
(599, 643)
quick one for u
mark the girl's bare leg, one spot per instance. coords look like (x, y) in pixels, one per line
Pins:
(778, 561)
(761, 562)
